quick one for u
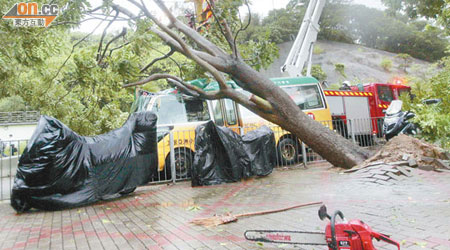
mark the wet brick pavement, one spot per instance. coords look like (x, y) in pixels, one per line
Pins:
(414, 211)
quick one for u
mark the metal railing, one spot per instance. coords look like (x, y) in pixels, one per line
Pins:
(289, 150)
(10, 152)
(176, 150)
(19, 117)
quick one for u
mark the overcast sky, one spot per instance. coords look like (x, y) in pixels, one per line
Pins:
(262, 7)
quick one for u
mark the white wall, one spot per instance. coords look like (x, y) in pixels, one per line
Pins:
(16, 132)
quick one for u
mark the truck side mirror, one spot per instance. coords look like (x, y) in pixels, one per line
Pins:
(431, 101)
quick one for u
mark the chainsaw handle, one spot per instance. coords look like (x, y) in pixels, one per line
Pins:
(385, 238)
(333, 229)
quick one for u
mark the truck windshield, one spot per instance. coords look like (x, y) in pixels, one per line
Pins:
(385, 93)
(306, 97)
(172, 109)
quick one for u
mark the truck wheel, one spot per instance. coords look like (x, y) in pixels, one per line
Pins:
(287, 151)
(183, 164)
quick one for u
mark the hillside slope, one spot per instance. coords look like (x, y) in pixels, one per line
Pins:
(362, 64)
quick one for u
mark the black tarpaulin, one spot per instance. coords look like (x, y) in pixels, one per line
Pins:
(260, 147)
(61, 169)
(223, 156)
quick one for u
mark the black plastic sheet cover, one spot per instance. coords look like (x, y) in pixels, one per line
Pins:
(222, 156)
(260, 147)
(60, 169)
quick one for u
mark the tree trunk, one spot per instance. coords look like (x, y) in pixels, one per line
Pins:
(334, 148)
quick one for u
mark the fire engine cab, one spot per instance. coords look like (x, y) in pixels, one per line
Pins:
(384, 94)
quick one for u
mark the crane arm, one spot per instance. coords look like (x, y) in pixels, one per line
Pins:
(301, 51)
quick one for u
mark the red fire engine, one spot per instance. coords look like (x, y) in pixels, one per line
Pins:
(364, 105)
(383, 93)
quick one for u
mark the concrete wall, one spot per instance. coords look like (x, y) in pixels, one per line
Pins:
(14, 132)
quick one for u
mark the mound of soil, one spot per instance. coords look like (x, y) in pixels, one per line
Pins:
(407, 148)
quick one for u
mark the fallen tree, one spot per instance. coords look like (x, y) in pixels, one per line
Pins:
(268, 100)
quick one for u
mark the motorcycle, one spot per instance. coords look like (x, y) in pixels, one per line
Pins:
(397, 121)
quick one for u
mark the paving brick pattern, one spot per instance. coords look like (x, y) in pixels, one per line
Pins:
(415, 212)
(384, 174)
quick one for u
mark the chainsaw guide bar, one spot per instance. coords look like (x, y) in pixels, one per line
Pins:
(286, 237)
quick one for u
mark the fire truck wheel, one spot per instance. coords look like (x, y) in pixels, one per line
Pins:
(288, 151)
(183, 164)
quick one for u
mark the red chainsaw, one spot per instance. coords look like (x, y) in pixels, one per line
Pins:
(349, 235)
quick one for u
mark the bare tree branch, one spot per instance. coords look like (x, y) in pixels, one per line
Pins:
(218, 62)
(187, 51)
(123, 33)
(120, 18)
(124, 11)
(100, 46)
(189, 32)
(248, 24)
(95, 9)
(71, 87)
(71, 52)
(257, 105)
(158, 59)
(118, 47)
(182, 88)
(149, 79)
(227, 32)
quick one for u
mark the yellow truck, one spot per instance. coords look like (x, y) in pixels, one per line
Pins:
(180, 115)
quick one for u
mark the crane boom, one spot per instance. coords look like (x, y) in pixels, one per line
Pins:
(301, 51)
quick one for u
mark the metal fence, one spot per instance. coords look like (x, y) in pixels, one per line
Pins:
(177, 156)
(176, 149)
(10, 152)
(19, 117)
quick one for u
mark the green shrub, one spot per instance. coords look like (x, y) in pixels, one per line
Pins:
(12, 103)
(317, 72)
(405, 60)
(434, 119)
(339, 67)
(318, 50)
(386, 64)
